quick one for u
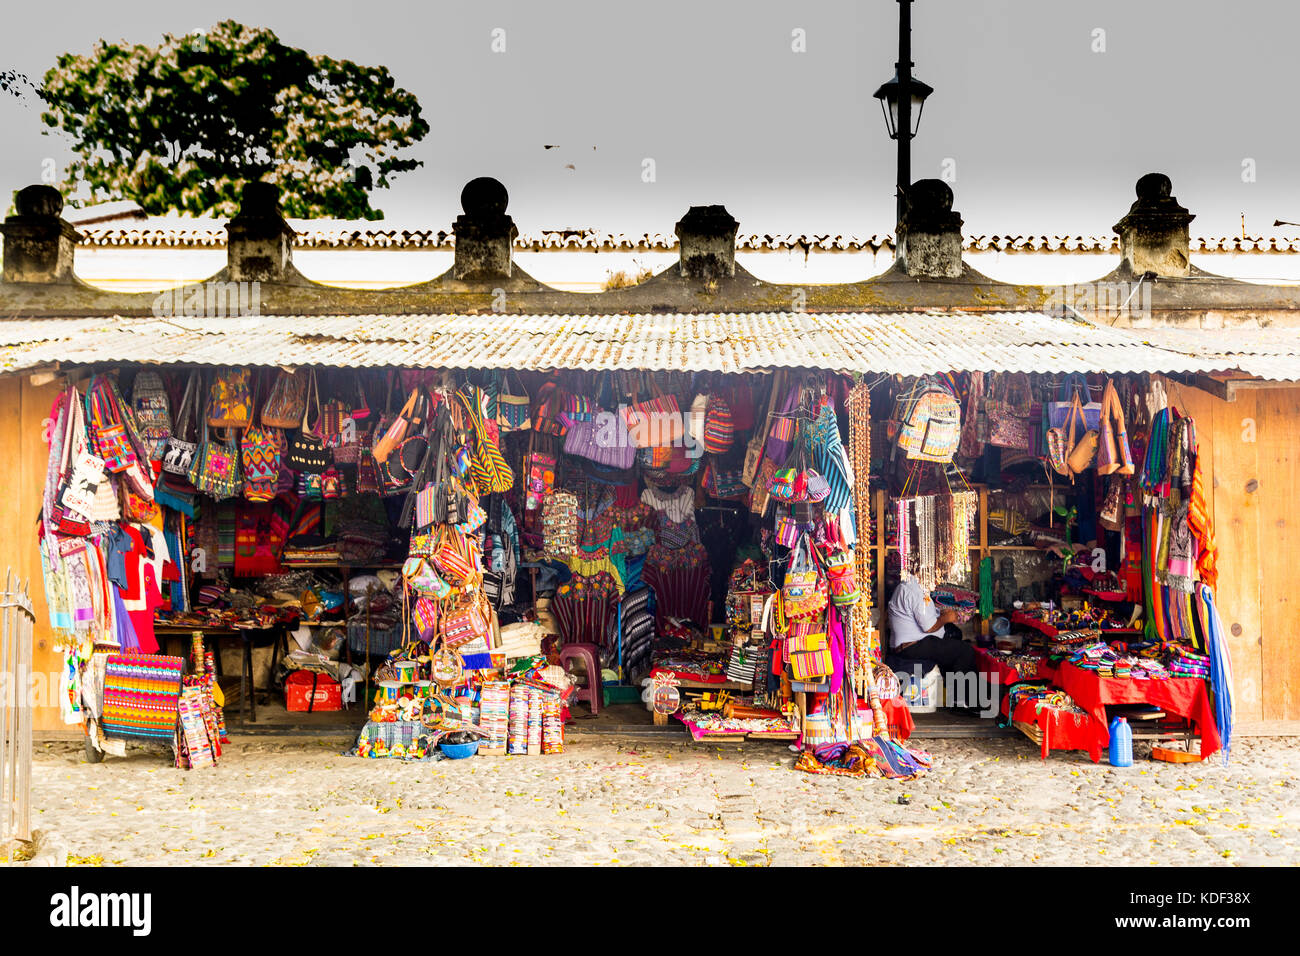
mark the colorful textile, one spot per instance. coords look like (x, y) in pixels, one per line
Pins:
(140, 696)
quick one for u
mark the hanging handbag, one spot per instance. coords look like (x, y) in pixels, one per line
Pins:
(1074, 386)
(810, 657)
(1060, 442)
(840, 566)
(181, 444)
(307, 451)
(230, 399)
(421, 577)
(604, 440)
(656, 421)
(106, 427)
(1008, 414)
(491, 472)
(1084, 452)
(1113, 454)
(285, 405)
(551, 402)
(392, 437)
(152, 412)
(1111, 512)
(353, 432)
(465, 623)
(513, 406)
(215, 471)
(260, 447)
(719, 433)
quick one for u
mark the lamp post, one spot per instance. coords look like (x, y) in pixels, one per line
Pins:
(899, 97)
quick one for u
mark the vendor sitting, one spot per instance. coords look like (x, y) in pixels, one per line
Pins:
(919, 632)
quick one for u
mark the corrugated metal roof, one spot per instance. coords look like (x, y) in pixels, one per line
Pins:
(180, 232)
(909, 344)
(1271, 354)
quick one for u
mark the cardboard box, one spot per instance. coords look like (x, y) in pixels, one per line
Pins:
(309, 691)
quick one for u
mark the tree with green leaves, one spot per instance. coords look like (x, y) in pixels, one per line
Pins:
(181, 126)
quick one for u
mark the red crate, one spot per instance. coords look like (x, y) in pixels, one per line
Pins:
(306, 690)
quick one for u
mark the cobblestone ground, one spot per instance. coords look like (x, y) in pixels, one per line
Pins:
(608, 801)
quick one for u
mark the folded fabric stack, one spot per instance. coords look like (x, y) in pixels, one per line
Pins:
(1184, 663)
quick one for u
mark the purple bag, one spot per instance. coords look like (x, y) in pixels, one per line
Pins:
(603, 439)
(781, 433)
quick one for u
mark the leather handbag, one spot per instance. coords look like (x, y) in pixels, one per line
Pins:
(307, 451)
(1084, 451)
(287, 401)
(1113, 454)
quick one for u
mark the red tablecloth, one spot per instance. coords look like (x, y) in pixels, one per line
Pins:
(1185, 696)
(1061, 730)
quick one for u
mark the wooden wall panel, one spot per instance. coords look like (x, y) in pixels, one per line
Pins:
(1278, 429)
(1237, 530)
(23, 455)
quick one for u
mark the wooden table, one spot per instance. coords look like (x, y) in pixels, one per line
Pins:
(247, 692)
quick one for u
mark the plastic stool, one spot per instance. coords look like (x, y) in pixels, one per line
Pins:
(589, 654)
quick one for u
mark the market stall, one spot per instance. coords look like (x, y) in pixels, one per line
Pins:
(1062, 522)
(475, 556)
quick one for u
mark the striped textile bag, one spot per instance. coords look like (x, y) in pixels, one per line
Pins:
(489, 467)
(141, 693)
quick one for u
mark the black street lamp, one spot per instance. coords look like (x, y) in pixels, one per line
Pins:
(901, 100)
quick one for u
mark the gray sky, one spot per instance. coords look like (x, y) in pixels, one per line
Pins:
(1044, 134)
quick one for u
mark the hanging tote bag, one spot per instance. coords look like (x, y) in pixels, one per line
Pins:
(551, 403)
(1061, 440)
(1008, 413)
(1084, 452)
(216, 468)
(259, 448)
(513, 406)
(152, 412)
(839, 563)
(933, 427)
(604, 440)
(1113, 454)
(1074, 386)
(230, 400)
(810, 657)
(108, 433)
(397, 430)
(656, 421)
(307, 451)
(719, 434)
(182, 442)
(491, 473)
(285, 405)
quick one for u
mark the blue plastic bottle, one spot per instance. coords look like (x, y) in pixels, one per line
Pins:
(1121, 743)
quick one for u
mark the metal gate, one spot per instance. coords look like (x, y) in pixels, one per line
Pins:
(16, 621)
